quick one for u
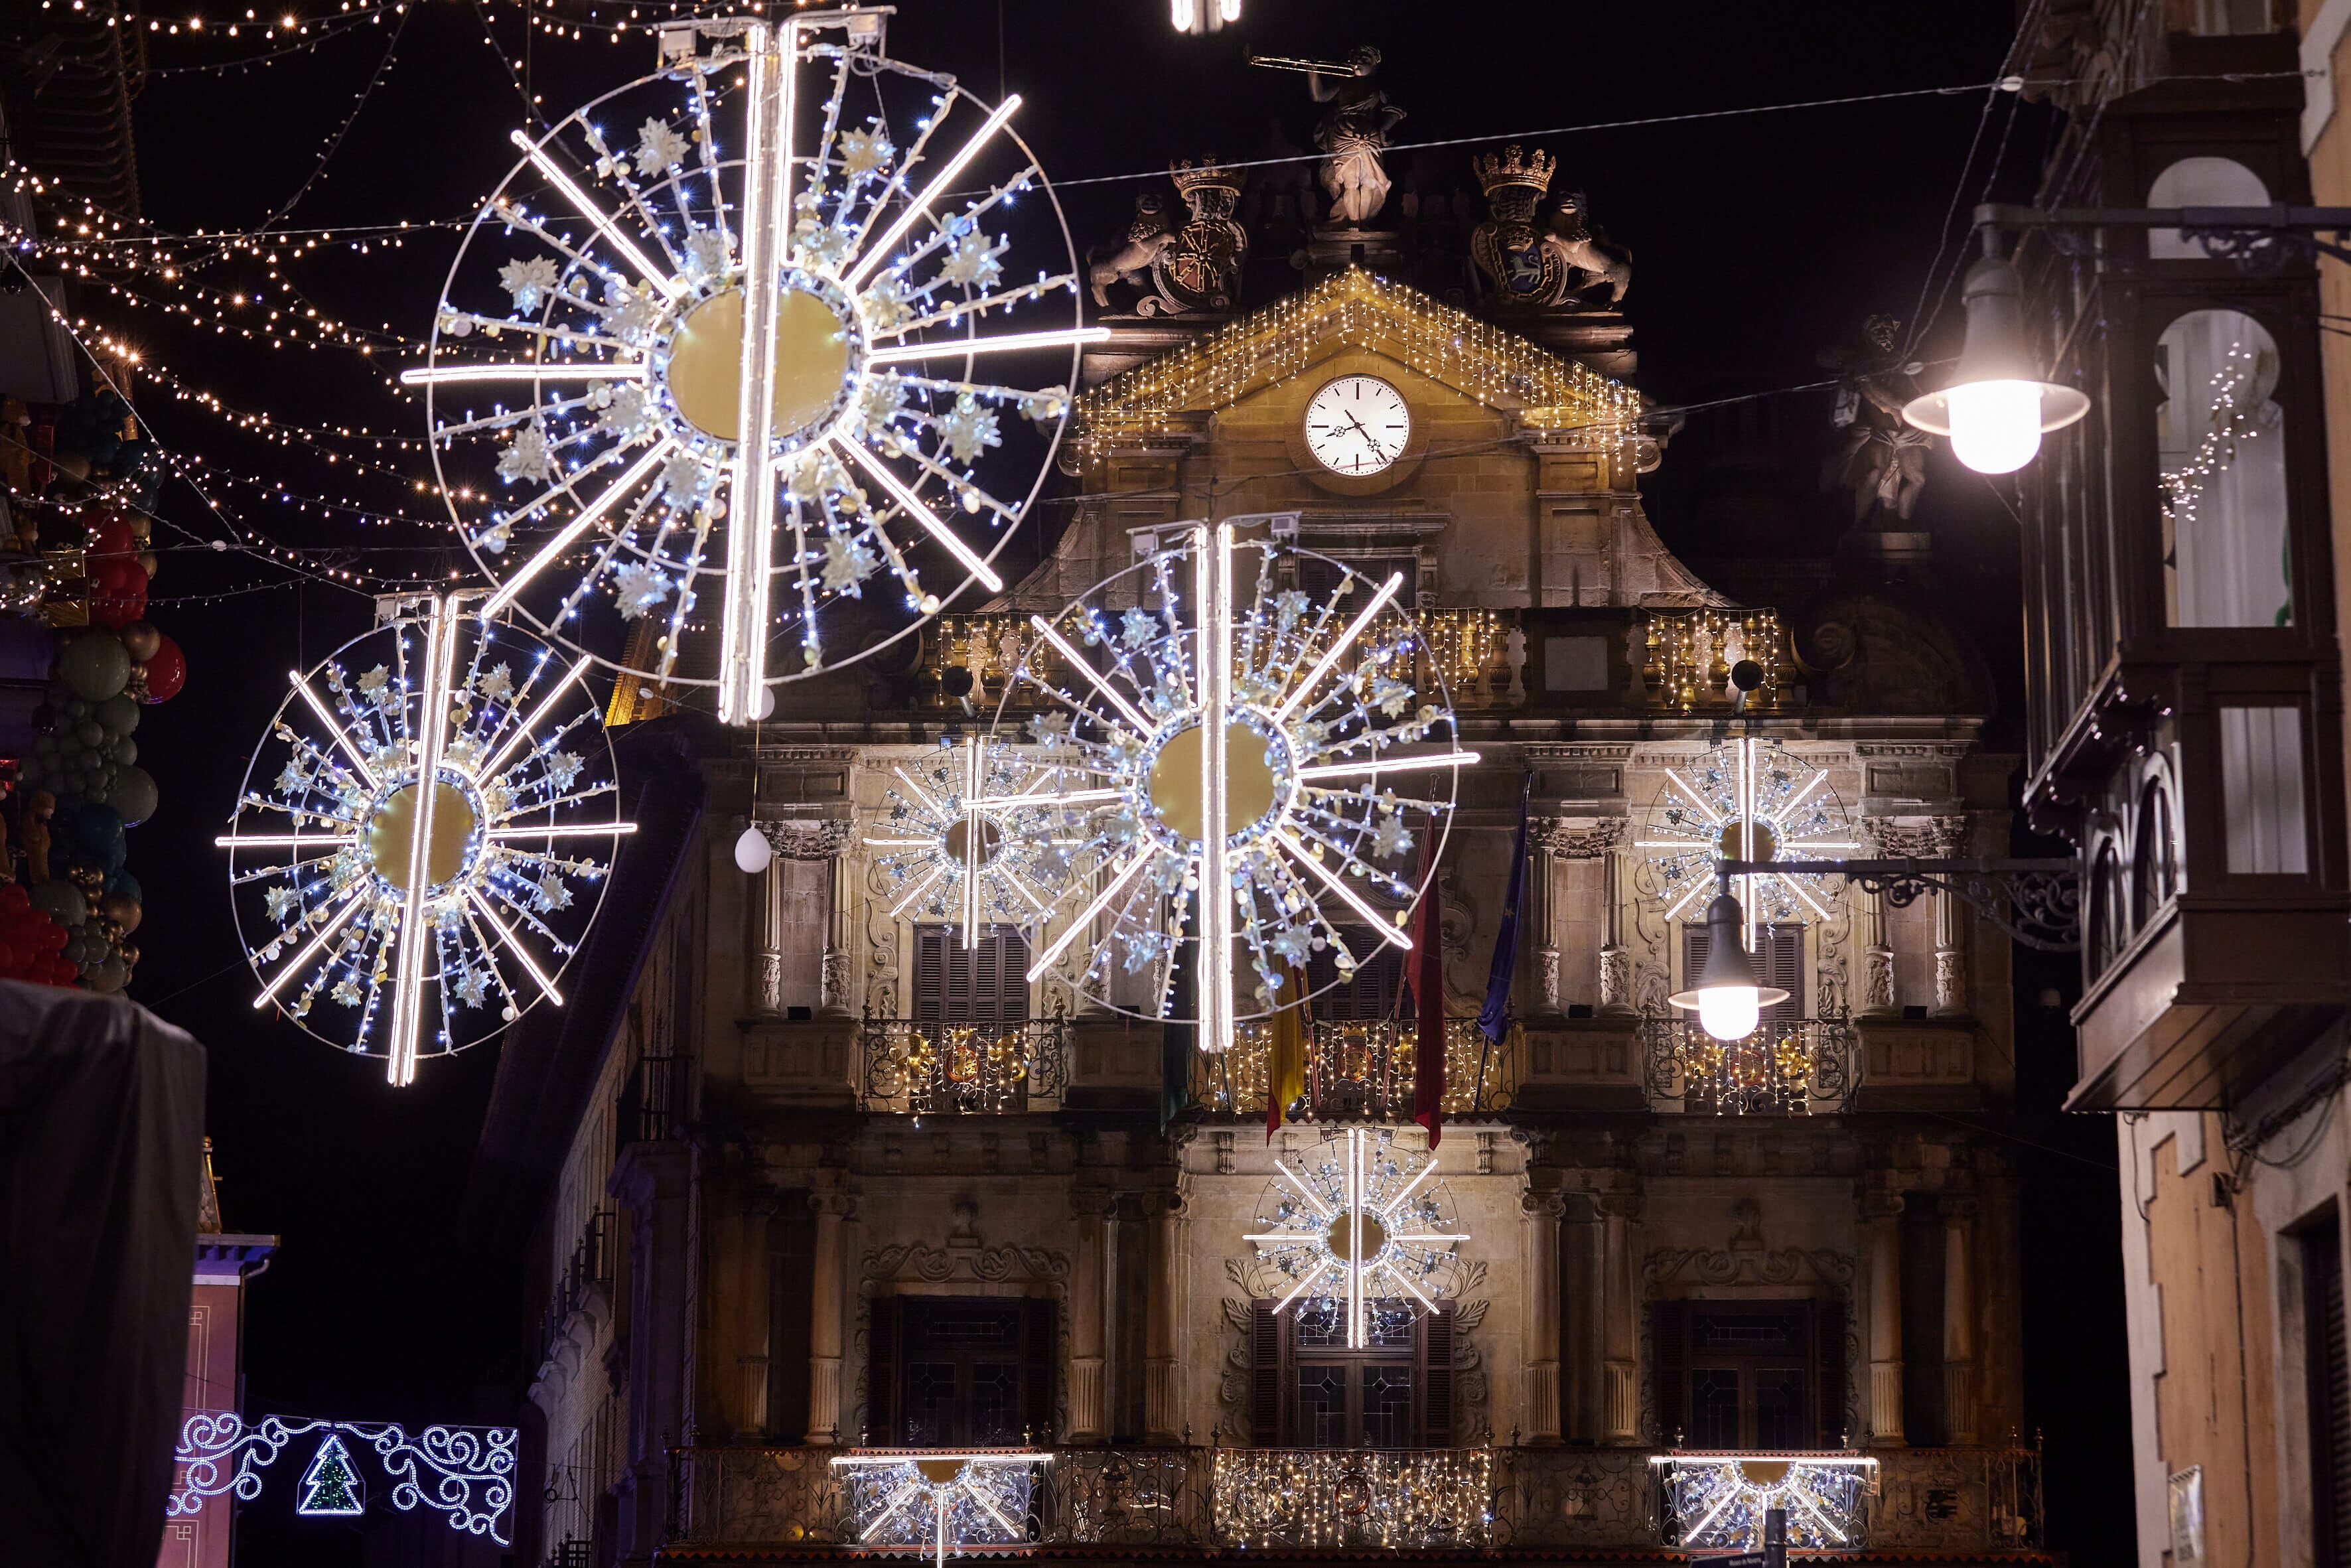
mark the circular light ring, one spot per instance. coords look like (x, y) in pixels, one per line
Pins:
(1356, 1219)
(1696, 820)
(593, 448)
(1031, 847)
(1389, 751)
(317, 845)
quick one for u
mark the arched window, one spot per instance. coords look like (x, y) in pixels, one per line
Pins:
(2154, 869)
(2221, 444)
(2200, 182)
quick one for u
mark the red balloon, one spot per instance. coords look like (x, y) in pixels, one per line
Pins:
(114, 539)
(63, 972)
(12, 896)
(167, 670)
(119, 594)
(54, 938)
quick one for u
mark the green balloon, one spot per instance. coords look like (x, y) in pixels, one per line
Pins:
(62, 902)
(123, 752)
(133, 795)
(111, 976)
(118, 714)
(91, 732)
(95, 665)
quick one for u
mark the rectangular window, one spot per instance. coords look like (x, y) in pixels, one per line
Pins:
(2261, 787)
(1370, 992)
(1312, 1392)
(2327, 1369)
(985, 983)
(1764, 1376)
(960, 1372)
(1779, 958)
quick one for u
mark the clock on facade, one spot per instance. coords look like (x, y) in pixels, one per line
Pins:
(1358, 425)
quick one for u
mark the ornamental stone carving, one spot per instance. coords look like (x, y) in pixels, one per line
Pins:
(804, 838)
(1576, 838)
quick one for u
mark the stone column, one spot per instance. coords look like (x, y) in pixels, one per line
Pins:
(1164, 1321)
(825, 1338)
(1620, 1331)
(833, 986)
(1960, 1322)
(1950, 838)
(1540, 1207)
(1885, 1322)
(1874, 997)
(1092, 1289)
(1542, 864)
(767, 950)
(1615, 961)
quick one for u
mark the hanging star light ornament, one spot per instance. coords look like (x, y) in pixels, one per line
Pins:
(978, 834)
(1201, 687)
(1360, 1234)
(1748, 799)
(945, 1501)
(402, 921)
(789, 232)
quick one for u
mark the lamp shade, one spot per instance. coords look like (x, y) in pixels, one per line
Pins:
(1727, 997)
(1998, 407)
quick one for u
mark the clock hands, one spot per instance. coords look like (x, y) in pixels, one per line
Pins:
(1370, 440)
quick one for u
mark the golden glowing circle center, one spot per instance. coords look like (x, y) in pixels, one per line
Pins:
(1175, 786)
(959, 840)
(706, 358)
(393, 832)
(1339, 1237)
(939, 1472)
(1735, 846)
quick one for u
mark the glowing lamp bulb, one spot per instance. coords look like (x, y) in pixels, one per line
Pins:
(1730, 1012)
(1180, 12)
(1995, 425)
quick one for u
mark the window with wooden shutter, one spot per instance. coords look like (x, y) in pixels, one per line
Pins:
(882, 1373)
(985, 983)
(1437, 1360)
(1669, 1348)
(1370, 991)
(1269, 1368)
(2327, 1367)
(1779, 959)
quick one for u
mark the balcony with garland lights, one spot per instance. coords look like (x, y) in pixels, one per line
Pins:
(1634, 660)
(1358, 1071)
(1946, 1504)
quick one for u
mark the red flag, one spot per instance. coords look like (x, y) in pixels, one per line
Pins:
(1425, 972)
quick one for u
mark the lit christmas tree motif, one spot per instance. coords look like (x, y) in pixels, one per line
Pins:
(791, 232)
(1199, 687)
(331, 1486)
(979, 835)
(1361, 1232)
(1750, 801)
(407, 922)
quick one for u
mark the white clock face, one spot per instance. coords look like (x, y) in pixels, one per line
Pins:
(1358, 425)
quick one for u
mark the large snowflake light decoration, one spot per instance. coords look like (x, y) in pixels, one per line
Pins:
(1361, 1233)
(1720, 1499)
(944, 1501)
(1201, 688)
(978, 834)
(404, 921)
(789, 233)
(1748, 799)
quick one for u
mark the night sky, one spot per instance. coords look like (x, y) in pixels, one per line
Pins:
(1759, 240)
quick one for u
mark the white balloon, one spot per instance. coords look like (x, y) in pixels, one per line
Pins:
(766, 702)
(753, 851)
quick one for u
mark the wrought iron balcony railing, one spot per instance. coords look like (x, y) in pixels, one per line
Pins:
(588, 1269)
(1789, 1067)
(1412, 1501)
(1360, 1071)
(656, 1098)
(931, 1069)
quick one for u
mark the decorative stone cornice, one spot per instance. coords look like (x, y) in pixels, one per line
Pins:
(1577, 838)
(807, 839)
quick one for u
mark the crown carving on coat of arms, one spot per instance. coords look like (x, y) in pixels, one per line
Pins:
(1207, 173)
(1512, 167)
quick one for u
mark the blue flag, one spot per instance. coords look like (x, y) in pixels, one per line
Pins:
(1494, 1018)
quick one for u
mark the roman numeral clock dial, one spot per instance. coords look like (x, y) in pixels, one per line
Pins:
(1358, 425)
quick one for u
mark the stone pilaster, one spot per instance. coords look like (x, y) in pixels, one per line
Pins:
(1092, 1310)
(1619, 1322)
(1540, 1208)
(1960, 1320)
(1885, 1228)
(1163, 1401)
(826, 1339)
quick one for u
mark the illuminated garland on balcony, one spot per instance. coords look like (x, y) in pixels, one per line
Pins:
(1497, 368)
(1403, 1499)
(1719, 1501)
(946, 1501)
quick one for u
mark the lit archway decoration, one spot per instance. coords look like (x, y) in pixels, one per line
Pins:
(980, 834)
(791, 232)
(945, 1502)
(1357, 1228)
(1748, 799)
(1197, 688)
(404, 921)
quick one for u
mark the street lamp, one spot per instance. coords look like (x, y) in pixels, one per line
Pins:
(1727, 998)
(1997, 407)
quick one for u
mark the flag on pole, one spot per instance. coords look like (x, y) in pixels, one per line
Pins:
(1494, 1018)
(1285, 1078)
(1424, 971)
